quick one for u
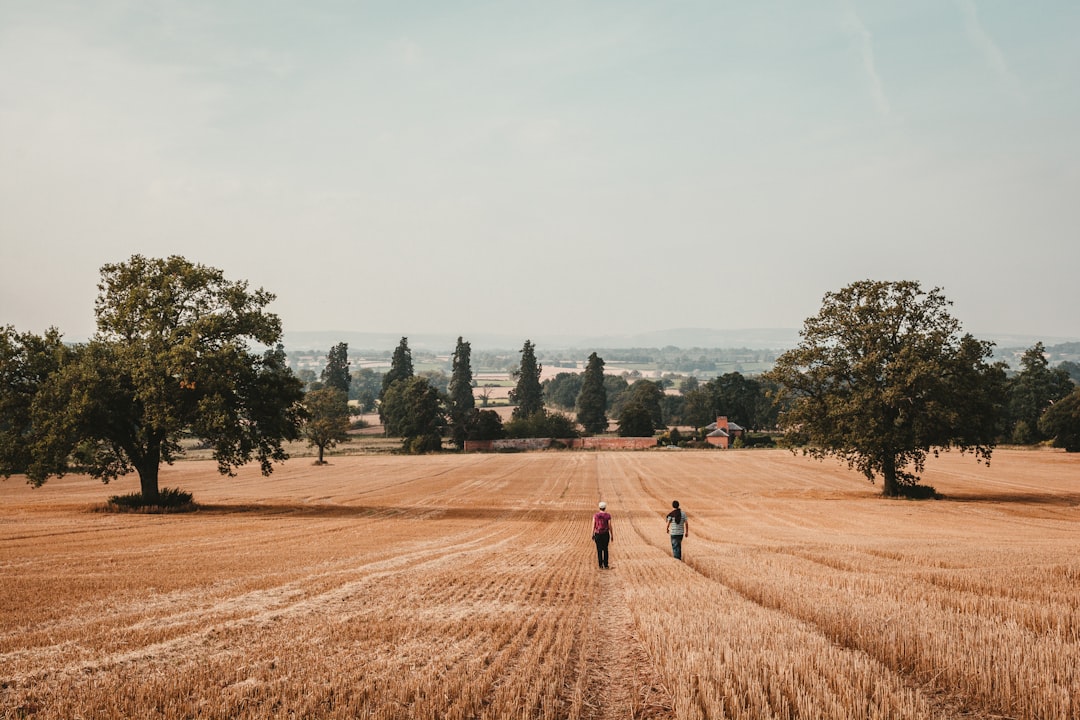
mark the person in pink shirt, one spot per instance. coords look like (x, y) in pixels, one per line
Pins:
(602, 534)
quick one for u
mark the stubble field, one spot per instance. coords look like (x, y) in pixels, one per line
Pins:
(466, 587)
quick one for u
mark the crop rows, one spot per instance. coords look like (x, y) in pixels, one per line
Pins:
(466, 587)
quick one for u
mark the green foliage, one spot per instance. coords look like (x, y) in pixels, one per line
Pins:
(328, 419)
(460, 392)
(650, 396)
(484, 425)
(1071, 369)
(636, 420)
(1061, 421)
(527, 395)
(881, 377)
(168, 500)
(401, 366)
(1034, 389)
(26, 363)
(413, 411)
(336, 373)
(562, 390)
(592, 399)
(170, 357)
(541, 424)
(365, 388)
(616, 388)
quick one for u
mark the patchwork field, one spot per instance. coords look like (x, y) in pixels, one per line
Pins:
(466, 587)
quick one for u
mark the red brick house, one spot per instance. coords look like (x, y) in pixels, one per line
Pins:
(722, 432)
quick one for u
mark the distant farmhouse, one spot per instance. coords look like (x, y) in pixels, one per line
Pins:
(722, 432)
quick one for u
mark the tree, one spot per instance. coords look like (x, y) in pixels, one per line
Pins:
(541, 424)
(562, 390)
(401, 368)
(1061, 421)
(592, 400)
(26, 363)
(170, 357)
(527, 395)
(881, 377)
(336, 373)
(650, 396)
(460, 391)
(414, 412)
(636, 420)
(1034, 389)
(328, 419)
(700, 407)
(484, 425)
(365, 388)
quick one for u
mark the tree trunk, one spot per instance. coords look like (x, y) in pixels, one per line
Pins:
(320, 455)
(148, 475)
(889, 486)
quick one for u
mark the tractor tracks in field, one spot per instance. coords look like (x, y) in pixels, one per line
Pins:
(622, 681)
(201, 627)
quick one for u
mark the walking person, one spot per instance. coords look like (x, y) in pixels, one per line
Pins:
(602, 534)
(678, 528)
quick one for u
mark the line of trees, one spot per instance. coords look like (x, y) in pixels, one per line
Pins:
(882, 376)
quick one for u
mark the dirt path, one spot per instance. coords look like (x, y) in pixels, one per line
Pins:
(622, 681)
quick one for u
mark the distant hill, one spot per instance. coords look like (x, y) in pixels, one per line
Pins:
(754, 338)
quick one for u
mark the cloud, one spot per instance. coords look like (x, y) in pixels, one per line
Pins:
(989, 49)
(866, 41)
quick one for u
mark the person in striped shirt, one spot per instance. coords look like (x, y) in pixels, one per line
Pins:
(678, 528)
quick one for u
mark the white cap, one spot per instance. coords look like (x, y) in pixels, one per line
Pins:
(603, 505)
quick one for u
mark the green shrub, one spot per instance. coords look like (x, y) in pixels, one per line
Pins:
(169, 500)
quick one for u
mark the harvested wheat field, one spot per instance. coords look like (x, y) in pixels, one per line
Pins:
(466, 587)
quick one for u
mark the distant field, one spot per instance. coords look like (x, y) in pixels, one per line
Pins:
(465, 586)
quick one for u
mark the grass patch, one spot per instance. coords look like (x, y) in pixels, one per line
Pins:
(170, 500)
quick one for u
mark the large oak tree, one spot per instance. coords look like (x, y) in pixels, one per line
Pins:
(170, 358)
(882, 377)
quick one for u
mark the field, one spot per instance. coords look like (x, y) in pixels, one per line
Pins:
(456, 586)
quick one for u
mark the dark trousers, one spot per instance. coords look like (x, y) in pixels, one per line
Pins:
(601, 540)
(676, 546)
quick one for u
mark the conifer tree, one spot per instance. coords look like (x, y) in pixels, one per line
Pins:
(527, 395)
(461, 392)
(592, 399)
(401, 368)
(336, 373)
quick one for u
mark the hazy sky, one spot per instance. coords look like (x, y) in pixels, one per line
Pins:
(549, 167)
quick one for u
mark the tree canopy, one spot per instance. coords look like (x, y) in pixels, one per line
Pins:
(336, 373)
(26, 363)
(460, 391)
(528, 394)
(328, 418)
(1061, 421)
(170, 357)
(1031, 392)
(592, 399)
(401, 368)
(635, 420)
(882, 376)
(414, 412)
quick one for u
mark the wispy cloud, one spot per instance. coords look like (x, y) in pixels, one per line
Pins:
(989, 49)
(866, 42)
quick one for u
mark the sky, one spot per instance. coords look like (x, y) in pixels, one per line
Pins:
(558, 167)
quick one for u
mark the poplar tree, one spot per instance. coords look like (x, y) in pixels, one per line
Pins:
(460, 391)
(592, 399)
(336, 373)
(527, 395)
(401, 368)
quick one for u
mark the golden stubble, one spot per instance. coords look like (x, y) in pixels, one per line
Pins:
(465, 587)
